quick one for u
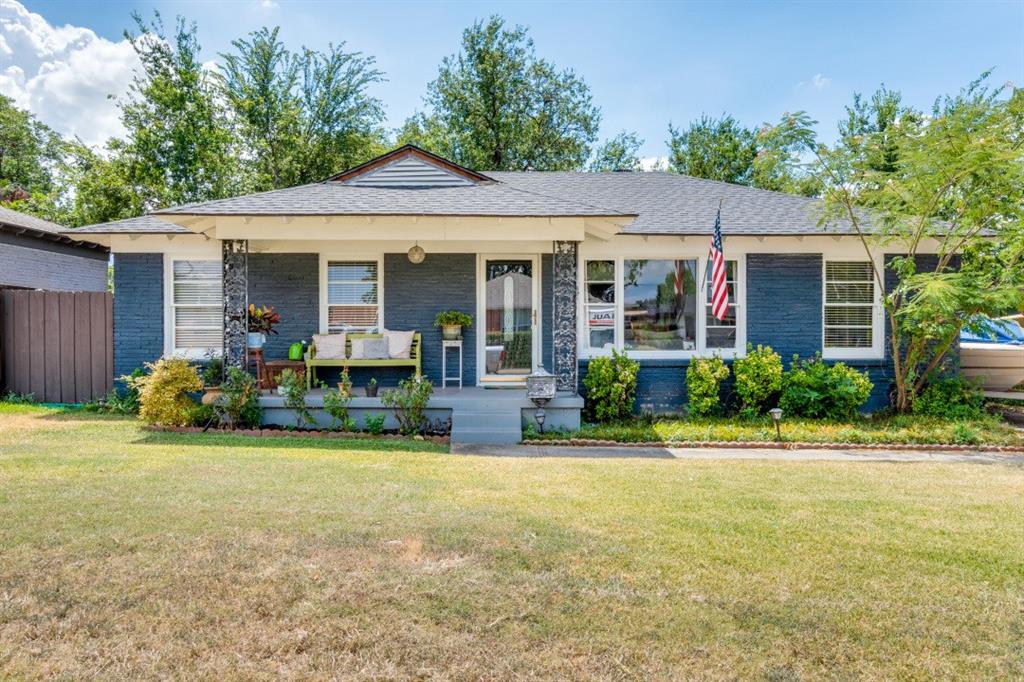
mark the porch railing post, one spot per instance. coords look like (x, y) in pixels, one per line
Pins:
(563, 313)
(235, 263)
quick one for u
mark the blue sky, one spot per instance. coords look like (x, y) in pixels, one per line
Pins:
(647, 63)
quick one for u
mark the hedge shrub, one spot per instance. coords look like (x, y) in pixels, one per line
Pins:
(758, 379)
(813, 388)
(704, 377)
(163, 393)
(611, 386)
(950, 398)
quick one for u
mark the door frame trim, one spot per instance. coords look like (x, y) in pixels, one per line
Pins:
(481, 313)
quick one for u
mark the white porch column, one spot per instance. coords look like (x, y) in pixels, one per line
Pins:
(563, 313)
(235, 274)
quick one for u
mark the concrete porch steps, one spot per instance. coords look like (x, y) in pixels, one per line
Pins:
(483, 424)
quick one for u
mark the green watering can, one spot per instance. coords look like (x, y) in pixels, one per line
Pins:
(295, 350)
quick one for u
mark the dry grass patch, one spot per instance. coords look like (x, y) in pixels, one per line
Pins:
(128, 554)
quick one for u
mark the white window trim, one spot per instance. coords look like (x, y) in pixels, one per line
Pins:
(169, 342)
(326, 257)
(702, 350)
(877, 349)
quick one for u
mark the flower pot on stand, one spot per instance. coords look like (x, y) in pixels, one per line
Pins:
(256, 339)
(451, 332)
(211, 394)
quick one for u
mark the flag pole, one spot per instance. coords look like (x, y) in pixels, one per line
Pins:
(707, 265)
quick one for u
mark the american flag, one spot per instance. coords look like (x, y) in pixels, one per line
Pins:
(719, 290)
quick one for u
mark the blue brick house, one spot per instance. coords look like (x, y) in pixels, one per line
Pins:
(556, 268)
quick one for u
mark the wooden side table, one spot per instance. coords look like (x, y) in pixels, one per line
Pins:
(273, 368)
(255, 359)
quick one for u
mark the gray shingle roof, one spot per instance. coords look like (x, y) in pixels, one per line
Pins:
(38, 227)
(668, 203)
(336, 198)
(144, 224)
(16, 219)
(663, 203)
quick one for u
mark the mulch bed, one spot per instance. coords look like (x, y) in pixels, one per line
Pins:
(785, 445)
(296, 433)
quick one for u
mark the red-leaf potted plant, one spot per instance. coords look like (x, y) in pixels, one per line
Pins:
(261, 323)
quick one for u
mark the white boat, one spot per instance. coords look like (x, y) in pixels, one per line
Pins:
(994, 357)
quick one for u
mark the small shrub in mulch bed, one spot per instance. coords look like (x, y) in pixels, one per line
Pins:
(784, 445)
(305, 433)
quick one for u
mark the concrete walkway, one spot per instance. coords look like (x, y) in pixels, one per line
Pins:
(806, 455)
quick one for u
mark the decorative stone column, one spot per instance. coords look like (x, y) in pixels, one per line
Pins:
(235, 263)
(563, 313)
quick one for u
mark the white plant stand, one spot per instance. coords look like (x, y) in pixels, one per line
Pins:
(446, 345)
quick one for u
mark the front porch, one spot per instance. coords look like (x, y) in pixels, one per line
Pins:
(476, 414)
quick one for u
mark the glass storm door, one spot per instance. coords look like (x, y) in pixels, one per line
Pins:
(510, 318)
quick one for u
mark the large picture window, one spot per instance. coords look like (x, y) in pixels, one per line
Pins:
(657, 308)
(353, 296)
(849, 305)
(659, 300)
(197, 311)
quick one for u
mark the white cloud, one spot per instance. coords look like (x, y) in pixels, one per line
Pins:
(654, 163)
(818, 82)
(268, 4)
(63, 74)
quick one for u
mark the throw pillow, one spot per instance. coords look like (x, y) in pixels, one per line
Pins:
(375, 349)
(399, 344)
(329, 346)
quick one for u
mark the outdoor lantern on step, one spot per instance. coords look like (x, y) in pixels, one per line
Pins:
(540, 388)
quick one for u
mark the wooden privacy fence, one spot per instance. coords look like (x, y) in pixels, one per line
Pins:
(57, 345)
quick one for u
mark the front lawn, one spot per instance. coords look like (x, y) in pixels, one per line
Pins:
(900, 429)
(126, 553)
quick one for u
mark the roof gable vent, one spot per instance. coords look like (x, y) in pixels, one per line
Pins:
(410, 167)
(409, 171)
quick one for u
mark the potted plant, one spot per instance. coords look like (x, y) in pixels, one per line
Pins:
(212, 376)
(451, 323)
(261, 322)
(371, 389)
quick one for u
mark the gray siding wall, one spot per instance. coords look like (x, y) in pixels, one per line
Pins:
(33, 263)
(290, 283)
(138, 310)
(414, 294)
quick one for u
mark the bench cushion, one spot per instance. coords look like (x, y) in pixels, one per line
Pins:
(399, 344)
(370, 349)
(330, 346)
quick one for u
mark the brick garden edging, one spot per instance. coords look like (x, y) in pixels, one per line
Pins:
(776, 445)
(440, 440)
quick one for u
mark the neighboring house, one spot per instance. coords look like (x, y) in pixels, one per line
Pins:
(38, 254)
(587, 262)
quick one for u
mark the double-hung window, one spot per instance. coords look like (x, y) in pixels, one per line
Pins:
(657, 306)
(599, 304)
(721, 334)
(197, 311)
(850, 304)
(353, 296)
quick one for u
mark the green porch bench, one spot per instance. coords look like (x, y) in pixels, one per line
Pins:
(312, 361)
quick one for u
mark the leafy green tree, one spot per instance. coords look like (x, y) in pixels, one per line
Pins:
(716, 149)
(178, 145)
(619, 153)
(951, 186)
(302, 116)
(104, 190)
(496, 106)
(29, 150)
(783, 154)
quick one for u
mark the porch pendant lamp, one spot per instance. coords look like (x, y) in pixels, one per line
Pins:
(417, 254)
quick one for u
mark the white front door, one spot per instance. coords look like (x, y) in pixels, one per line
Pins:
(508, 332)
